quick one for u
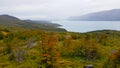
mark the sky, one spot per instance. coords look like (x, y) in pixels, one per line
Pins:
(54, 9)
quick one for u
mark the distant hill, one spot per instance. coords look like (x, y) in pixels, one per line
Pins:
(109, 15)
(42, 22)
(7, 20)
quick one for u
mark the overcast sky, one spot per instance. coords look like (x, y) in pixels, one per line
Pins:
(54, 9)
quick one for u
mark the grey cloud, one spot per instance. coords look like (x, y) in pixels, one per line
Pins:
(54, 9)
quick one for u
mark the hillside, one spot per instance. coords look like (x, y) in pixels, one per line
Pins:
(109, 15)
(7, 20)
(42, 49)
(24, 47)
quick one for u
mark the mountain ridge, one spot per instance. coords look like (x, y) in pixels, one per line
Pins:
(107, 15)
(7, 20)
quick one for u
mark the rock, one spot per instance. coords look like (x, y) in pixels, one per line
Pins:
(88, 66)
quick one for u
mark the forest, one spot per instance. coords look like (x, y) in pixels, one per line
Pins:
(31, 48)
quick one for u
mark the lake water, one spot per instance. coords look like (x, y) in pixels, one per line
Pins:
(86, 26)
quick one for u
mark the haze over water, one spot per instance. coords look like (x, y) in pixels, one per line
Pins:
(86, 26)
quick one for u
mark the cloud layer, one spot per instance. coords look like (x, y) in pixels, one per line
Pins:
(54, 9)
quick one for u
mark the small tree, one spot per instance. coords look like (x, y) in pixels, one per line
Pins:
(113, 60)
(50, 52)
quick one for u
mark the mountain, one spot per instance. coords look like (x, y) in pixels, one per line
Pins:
(7, 20)
(109, 15)
(43, 22)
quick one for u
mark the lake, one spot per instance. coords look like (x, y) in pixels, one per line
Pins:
(86, 26)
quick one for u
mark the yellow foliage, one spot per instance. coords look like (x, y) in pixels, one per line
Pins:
(4, 33)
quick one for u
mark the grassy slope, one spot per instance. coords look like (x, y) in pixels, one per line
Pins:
(20, 38)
